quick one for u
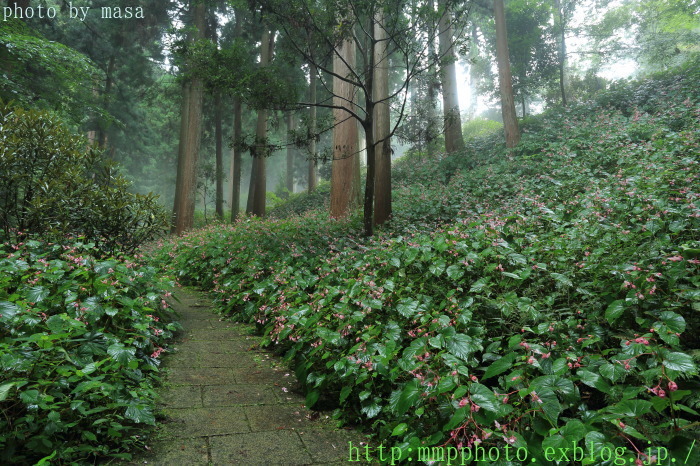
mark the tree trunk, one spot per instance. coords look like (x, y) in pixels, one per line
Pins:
(382, 126)
(559, 22)
(454, 141)
(109, 82)
(261, 149)
(505, 80)
(218, 134)
(345, 156)
(235, 172)
(190, 132)
(312, 179)
(291, 126)
(473, 75)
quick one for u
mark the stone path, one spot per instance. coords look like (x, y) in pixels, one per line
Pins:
(228, 402)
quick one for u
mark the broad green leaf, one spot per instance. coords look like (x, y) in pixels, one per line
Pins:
(615, 310)
(499, 366)
(140, 414)
(680, 362)
(5, 390)
(461, 345)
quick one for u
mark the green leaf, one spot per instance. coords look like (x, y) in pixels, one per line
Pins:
(121, 354)
(407, 307)
(312, 397)
(499, 366)
(680, 362)
(461, 345)
(410, 394)
(5, 390)
(140, 414)
(484, 397)
(455, 272)
(8, 310)
(594, 380)
(399, 429)
(37, 294)
(615, 310)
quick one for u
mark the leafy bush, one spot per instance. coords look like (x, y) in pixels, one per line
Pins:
(301, 203)
(53, 185)
(556, 306)
(80, 339)
(480, 126)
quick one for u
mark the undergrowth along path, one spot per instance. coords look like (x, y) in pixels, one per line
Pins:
(228, 402)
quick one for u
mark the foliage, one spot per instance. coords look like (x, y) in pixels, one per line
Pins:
(304, 202)
(479, 126)
(40, 73)
(80, 339)
(53, 185)
(557, 307)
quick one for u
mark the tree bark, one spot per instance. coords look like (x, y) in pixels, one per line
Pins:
(505, 79)
(261, 149)
(345, 156)
(454, 141)
(235, 172)
(559, 22)
(190, 132)
(312, 177)
(218, 134)
(382, 125)
(291, 126)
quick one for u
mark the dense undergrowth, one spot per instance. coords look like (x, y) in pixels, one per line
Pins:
(80, 338)
(522, 302)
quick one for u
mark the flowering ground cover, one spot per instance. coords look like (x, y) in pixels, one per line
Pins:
(539, 300)
(80, 338)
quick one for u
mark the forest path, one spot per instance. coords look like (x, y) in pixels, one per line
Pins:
(226, 401)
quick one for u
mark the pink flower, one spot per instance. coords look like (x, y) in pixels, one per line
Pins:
(672, 386)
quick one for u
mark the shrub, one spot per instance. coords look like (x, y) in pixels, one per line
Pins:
(53, 185)
(480, 126)
(80, 339)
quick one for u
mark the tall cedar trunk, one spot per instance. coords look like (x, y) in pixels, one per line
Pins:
(235, 171)
(559, 22)
(505, 80)
(291, 126)
(473, 74)
(312, 177)
(430, 132)
(109, 82)
(261, 150)
(219, 136)
(190, 132)
(454, 141)
(345, 156)
(251, 185)
(382, 146)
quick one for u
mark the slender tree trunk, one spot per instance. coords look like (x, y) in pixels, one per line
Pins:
(473, 91)
(505, 79)
(190, 132)
(382, 125)
(431, 96)
(454, 141)
(312, 177)
(291, 126)
(218, 134)
(236, 160)
(559, 22)
(235, 172)
(343, 188)
(261, 150)
(251, 185)
(109, 82)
